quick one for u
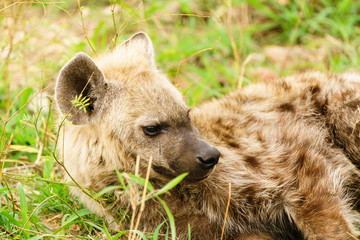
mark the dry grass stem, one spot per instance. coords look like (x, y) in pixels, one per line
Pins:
(6, 152)
(7, 58)
(137, 165)
(83, 27)
(133, 195)
(39, 154)
(232, 40)
(133, 201)
(242, 73)
(298, 21)
(142, 206)
(112, 9)
(46, 124)
(192, 55)
(226, 212)
(17, 161)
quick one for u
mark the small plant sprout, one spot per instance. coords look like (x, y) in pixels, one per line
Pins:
(81, 102)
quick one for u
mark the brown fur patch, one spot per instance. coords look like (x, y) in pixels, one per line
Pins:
(252, 161)
(300, 162)
(314, 89)
(353, 105)
(286, 107)
(102, 162)
(285, 86)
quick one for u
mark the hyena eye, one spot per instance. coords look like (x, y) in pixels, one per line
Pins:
(152, 130)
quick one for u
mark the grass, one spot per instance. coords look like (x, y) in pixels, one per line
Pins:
(207, 48)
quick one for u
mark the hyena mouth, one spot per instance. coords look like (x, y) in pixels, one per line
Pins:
(163, 171)
(172, 174)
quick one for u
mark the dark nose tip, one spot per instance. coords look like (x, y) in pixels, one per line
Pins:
(210, 159)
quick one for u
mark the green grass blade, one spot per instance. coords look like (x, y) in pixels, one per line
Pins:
(120, 234)
(24, 208)
(140, 234)
(156, 232)
(171, 218)
(105, 190)
(121, 179)
(78, 214)
(108, 235)
(141, 181)
(189, 231)
(169, 185)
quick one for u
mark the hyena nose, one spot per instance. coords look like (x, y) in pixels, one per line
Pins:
(209, 159)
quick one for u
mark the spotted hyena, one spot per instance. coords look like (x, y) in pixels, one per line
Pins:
(289, 148)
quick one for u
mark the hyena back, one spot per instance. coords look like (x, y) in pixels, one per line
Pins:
(289, 148)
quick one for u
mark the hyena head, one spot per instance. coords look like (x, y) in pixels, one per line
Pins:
(133, 103)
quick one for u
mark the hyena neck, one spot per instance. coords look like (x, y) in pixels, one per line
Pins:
(95, 154)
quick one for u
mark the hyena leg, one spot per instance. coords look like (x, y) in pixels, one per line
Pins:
(343, 119)
(322, 218)
(336, 98)
(339, 103)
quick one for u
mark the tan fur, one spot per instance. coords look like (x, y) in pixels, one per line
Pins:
(289, 147)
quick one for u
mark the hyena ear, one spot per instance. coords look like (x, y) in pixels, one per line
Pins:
(80, 76)
(141, 46)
